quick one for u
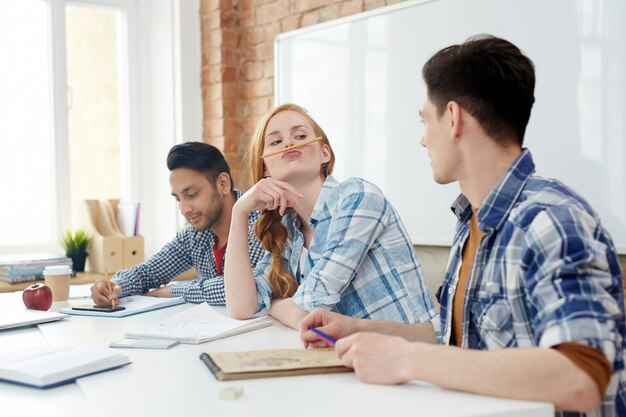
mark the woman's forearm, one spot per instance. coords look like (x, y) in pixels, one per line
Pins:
(239, 286)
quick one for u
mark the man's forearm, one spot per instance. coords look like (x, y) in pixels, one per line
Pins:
(539, 374)
(414, 332)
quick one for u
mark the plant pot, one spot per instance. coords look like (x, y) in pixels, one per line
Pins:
(78, 261)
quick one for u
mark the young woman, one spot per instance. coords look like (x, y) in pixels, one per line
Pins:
(339, 246)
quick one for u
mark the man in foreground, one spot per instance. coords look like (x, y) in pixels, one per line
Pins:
(532, 302)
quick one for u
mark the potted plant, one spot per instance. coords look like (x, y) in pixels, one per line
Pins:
(76, 245)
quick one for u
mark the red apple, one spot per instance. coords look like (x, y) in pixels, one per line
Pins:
(37, 297)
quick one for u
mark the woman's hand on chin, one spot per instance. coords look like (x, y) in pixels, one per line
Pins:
(268, 194)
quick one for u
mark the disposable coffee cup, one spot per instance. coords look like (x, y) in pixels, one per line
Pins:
(58, 279)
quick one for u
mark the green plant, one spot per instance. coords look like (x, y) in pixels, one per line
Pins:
(76, 243)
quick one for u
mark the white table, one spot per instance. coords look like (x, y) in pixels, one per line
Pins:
(174, 382)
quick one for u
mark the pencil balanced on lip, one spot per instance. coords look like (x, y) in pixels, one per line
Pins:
(288, 148)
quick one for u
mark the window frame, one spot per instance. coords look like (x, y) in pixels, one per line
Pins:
(157, 110)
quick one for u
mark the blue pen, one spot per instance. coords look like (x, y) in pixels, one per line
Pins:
(324, 336)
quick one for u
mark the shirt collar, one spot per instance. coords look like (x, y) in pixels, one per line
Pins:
(291, 218)
(496, 207)
(318, 211)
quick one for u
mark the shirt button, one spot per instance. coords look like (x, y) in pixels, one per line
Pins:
(450, 290)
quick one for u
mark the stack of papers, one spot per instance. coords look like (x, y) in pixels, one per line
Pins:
(128, 217)
(23, 268)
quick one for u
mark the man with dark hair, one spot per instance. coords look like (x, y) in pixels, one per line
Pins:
(201, 183)
(532, 303)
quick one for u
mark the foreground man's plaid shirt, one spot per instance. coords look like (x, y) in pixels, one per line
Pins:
(545, 273)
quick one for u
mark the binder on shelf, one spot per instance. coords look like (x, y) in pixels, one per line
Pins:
(110, 249)
(133, 251)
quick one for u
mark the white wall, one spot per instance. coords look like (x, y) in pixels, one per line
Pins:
(170, 107)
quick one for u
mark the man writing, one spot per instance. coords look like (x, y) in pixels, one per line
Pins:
(201, 183)
(532, 302)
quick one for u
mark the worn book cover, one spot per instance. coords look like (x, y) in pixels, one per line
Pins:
(272, 363)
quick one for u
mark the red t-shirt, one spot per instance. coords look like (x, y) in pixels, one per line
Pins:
(218, 254)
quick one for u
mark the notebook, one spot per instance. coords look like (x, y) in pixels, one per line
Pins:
(10, 318)
(134, 304)
(49, 366)
(198, 324)
(227, 366)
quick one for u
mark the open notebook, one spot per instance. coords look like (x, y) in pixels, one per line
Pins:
(49, 366)
(134, 304)
(198, 324)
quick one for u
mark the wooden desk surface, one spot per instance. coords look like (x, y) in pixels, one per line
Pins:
(84, 278)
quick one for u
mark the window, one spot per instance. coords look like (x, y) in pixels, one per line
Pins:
(74, 112)
(91, 39)
(64, 128)
(27, 203)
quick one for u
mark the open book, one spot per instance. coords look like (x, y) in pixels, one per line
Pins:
(198, 324)
(48, 366)
(134, 304)
(272, 362)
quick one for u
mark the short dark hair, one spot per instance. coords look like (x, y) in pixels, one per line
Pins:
(490, 78)
(200, 157)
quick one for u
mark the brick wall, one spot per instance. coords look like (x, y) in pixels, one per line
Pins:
(238, 63)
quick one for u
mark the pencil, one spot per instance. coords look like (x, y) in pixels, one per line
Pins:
(329, 339)
(106, 275)
(288, 148)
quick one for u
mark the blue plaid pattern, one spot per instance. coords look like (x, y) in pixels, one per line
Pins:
(360, 261)
(189, 248)
(545, 273)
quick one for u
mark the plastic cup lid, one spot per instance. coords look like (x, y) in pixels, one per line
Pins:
(57, 270)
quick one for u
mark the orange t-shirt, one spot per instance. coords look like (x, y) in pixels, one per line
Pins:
(469, 253)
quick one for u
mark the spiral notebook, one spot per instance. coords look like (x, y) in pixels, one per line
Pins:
(198, 324)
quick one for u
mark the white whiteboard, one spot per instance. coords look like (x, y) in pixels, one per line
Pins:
(360, 78)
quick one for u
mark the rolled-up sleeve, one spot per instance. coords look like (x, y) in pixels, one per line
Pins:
(261, 277)
(570, 282)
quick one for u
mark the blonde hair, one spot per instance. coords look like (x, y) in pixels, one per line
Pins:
(271, 232)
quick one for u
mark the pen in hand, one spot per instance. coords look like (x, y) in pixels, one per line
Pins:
(329, 339)
(106, 276)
